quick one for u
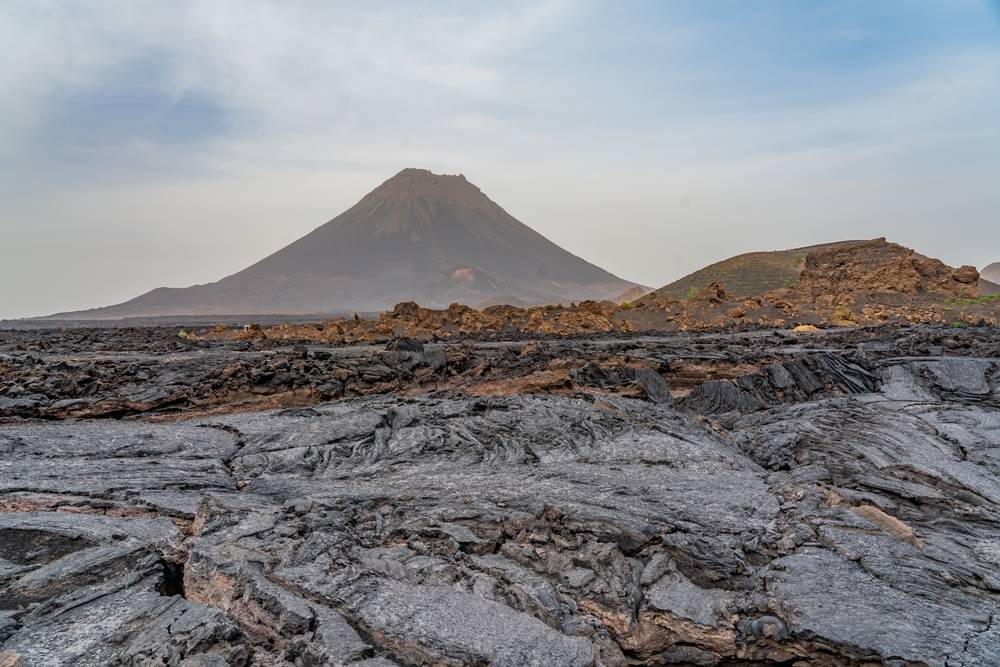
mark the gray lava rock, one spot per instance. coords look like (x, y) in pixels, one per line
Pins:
(846, 511)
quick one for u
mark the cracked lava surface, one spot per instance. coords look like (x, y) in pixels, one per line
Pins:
(749, 498)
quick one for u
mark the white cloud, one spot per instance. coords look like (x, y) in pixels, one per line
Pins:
(322, 101)
(274, 66)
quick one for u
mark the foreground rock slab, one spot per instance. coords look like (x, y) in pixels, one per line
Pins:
(830, 508)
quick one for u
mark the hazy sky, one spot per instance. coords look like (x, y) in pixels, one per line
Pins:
(170, 143)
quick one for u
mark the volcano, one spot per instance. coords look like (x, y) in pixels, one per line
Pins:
(424, 237)
(991, 273)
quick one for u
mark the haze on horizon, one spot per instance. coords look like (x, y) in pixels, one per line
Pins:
(145, 144)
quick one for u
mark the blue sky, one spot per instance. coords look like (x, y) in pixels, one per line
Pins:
(146, 144)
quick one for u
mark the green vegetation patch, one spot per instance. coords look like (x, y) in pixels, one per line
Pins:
(986, 298)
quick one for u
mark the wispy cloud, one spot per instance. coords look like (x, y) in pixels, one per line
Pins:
(207, 134)
(270, 66)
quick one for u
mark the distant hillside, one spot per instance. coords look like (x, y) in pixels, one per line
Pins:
(991, 273)
(430, 238)
(633, 293)
(747, 274)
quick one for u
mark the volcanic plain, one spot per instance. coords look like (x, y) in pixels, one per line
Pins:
(224, 497)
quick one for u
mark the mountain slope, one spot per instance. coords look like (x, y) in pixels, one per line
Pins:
(988, 287)
(991, 273)
(434, 239)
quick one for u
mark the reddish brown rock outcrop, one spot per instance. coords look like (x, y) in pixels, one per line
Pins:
(878, 266)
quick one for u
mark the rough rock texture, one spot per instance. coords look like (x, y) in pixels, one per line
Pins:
(879, 266)
(825, 499)
(156, 374)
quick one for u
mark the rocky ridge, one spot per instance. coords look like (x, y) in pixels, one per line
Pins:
(849, 284)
